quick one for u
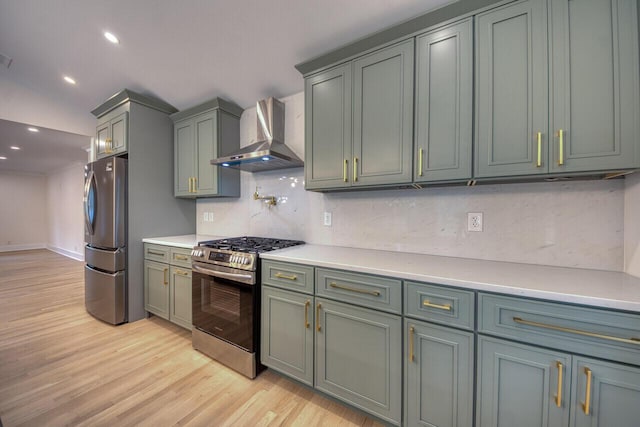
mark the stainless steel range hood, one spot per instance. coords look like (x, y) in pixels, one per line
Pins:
(269, 153)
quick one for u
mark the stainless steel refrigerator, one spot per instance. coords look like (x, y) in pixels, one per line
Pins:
(105, 235)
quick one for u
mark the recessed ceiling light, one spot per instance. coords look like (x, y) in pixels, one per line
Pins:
(69, 80)
(33, 130)
(13, 147)
(3, 158)
(113, 39)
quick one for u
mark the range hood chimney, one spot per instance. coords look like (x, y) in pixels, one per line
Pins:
(269, 153)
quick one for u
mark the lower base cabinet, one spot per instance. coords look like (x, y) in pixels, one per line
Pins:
(438, 375)
(156, 288)
(180, 296)
(523, 385)
(359, 357)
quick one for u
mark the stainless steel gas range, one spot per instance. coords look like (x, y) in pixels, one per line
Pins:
(226, 299)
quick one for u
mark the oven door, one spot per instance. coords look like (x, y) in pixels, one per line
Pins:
(225, 307)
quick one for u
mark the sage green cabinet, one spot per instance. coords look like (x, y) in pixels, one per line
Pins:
(180, 296)
(202, 133)
(438, 375)
(444, 101)
(111, 134)
(156, 288)
(518, 385)
(359, 121)
(287, 333)
(594, 85)
(328, 128)
(511, 90)
(613, 397)
(358, 357)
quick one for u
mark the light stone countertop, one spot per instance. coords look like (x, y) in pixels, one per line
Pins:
(607, 289)
(188, 241)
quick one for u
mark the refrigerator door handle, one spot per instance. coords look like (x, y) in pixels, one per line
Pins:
(89, 201)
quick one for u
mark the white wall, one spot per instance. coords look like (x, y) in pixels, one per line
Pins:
(64, 209)
(23, 211)
(577, 224)
(632, 224)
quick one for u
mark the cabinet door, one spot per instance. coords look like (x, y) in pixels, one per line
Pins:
(180, 296)
(206, 130)
(184, 155)
(511, 90)
(613, 395)
(119, 133)
(358, 357)
(328, 129)
(518, 385)
(438, 376)
(287, 333)
(103, 138)
(594, 69)
(156, 288)
(444, 101)
(383, 116)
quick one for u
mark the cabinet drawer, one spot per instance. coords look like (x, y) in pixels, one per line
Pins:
(453, 307)
(597, 332)
(156, 252)
(180, 257)
(362, 289)
(288, 276)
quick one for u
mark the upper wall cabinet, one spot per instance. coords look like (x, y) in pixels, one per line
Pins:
(359, 121)
(594, 85)
(444, 99)
(511, 90)
(203, 133)
(111, 134)
(588, 120)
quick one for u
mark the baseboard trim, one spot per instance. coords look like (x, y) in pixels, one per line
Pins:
(70, 254)
(28, 247)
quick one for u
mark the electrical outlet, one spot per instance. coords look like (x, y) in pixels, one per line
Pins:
(474, 221)
(327, 219)
(210, 216)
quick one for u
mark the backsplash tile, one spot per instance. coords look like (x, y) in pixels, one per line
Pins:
(576, 224)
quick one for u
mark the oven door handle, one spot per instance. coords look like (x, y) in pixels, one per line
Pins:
(222, 274)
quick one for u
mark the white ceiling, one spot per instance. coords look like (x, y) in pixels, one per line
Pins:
(184, 52)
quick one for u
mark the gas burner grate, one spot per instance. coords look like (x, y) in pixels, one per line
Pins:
(250, 244)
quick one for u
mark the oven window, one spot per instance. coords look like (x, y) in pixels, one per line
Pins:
(225, 309)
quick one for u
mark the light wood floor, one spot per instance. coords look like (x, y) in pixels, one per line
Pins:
(60, 366)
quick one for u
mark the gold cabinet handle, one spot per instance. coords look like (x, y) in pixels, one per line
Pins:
(190, 186)
(195, 184)
(349, 288)
(577, 331)
(355, 169)
(587, 393)
(318, 326)
(427, 303)
(182, 257)
(559, 394)
(420, 156)
(344, 170)
(181, 272)
(411, 332)
(108, 148)
(166, 281)
(560, 147)
(306, 314)
(150, 252)
(284, 276)
(539, 161)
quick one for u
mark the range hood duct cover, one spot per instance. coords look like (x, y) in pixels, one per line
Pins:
(270, 152)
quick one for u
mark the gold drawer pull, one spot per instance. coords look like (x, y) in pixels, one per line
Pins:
(577, 331)
(349, 288)
(164, 273)
(306, 313)
(150, 252)
(344, 171)
(560, 147)
(539, 160)
(355, 169)
(411, 332)
(181, 257)
(427, 303)
(181, 272)
(559, 394)
(587, 393)
(318, 326)
(284, 276)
